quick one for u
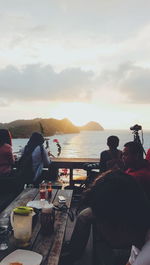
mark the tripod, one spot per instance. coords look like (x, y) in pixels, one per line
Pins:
(137, 140)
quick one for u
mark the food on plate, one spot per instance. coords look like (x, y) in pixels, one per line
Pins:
(15, 263)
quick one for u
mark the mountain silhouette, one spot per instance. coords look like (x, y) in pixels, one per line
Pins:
(48, 127)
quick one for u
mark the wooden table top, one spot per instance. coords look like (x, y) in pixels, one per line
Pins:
(48, 246)
(75, 160)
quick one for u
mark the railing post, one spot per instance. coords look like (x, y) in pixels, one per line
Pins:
(71, 177)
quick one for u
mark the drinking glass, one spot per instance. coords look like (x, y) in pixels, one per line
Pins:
(4, 233)
(42, 189)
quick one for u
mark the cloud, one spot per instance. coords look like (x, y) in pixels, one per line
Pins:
(130, 81)
(135, 83)
(128, 84)
(37, 82)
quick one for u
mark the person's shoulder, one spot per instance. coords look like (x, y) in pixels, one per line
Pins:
(104, 152)
(37, 149)
(119, 153)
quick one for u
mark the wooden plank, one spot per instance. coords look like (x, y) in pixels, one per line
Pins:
(37, 227)
(21, 200)
(52, 244)
(48, 246)
(72, 162)
(75, 160)
(61, 221)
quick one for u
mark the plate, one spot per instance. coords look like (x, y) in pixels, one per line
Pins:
(26, 257)
(38, 204)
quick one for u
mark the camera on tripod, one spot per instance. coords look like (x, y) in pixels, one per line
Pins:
(136, 128)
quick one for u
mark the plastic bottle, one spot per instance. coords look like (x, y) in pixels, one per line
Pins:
(49, 189)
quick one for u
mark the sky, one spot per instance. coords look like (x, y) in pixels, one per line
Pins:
(84, 60)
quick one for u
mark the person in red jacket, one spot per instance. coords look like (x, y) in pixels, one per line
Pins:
(136, 165)
(148, 155)
(6, 156)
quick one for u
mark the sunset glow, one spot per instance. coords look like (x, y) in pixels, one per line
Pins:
(82, 60)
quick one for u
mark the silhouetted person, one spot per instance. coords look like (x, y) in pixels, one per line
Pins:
(120, 212)
(111, 158)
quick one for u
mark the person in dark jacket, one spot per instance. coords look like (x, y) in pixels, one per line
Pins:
(120, 210)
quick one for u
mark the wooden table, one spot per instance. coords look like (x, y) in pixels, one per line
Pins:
(72, 163)
(48, 246)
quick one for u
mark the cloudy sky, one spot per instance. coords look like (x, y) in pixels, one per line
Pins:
(84, 60)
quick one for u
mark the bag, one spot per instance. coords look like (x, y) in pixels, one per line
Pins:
(24, 171)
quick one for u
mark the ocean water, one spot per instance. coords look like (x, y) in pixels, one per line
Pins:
(87, 144)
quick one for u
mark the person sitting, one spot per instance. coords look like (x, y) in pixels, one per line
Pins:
(120, 211)
(6, 155)
(111, 158)
(33, 159)
(136, 165)
(148, 155)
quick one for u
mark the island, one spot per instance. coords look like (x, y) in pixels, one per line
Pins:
(48, 127)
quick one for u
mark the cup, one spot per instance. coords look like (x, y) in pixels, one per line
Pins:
(4, 233)
(47, 218)
(42, 190)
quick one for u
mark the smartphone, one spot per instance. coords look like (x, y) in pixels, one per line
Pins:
(61, 199)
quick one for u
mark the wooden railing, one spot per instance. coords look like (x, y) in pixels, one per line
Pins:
(71, 164)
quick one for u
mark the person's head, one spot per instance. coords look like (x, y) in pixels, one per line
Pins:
(35, 140)
(112, 142)
(5, 137)
(121, 208)
(132, 154)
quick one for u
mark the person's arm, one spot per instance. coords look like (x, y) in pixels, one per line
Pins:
(10, 156)
(46, 159)
(103, 162)
(148, 155)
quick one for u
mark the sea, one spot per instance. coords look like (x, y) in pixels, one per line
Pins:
(86, 144)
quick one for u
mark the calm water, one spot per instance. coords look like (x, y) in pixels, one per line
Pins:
(86, 144)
